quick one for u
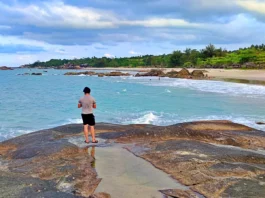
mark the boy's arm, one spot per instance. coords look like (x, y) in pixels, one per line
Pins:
(79, 104)
(94, 104)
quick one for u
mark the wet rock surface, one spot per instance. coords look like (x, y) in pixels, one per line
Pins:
(212, 158)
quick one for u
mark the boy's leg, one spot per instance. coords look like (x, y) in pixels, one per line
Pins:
(92, 130)
(86, 132)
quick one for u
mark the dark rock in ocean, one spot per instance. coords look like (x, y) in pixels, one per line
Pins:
(260, 123)
(5, 68)
(153, 72)
(36, 74)
(213, 158)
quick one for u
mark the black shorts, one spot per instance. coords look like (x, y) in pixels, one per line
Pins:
(88, 119)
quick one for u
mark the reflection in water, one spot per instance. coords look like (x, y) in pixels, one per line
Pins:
(125, 175)
(92, 154)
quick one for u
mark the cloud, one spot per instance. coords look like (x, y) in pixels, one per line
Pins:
(45, 29)
(252, 5)
(134, 53)
(58, 14)
(109, 55)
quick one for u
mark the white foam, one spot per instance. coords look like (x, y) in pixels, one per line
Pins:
(168, 91)
(148, 118)
(206, 86)
(74, 121)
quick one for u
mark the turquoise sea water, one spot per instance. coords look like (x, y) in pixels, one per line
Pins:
(29, 103)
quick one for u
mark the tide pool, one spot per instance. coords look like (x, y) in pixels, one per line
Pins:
(30, 103)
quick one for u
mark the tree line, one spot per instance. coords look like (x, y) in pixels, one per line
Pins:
(210, 56)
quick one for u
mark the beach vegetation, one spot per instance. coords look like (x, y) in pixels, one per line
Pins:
(252, 57)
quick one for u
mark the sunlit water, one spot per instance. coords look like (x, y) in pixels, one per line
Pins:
(29, 103)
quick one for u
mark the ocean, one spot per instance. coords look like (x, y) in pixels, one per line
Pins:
(30, 103)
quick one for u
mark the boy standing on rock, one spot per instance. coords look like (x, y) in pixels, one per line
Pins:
(88, 103)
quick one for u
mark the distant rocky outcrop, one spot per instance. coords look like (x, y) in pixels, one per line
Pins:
(153, 72)
(87, 73)
(184, 73)
(32, 74)
(116, 74)
(91, 73)
(5, 68)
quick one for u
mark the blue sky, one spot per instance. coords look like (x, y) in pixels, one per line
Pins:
(32, 30)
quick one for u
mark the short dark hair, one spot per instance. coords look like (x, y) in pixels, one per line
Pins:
(86, 90)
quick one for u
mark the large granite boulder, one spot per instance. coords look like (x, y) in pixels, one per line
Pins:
(172, 74)
(184, 73)
(212, 158)
(197, 74)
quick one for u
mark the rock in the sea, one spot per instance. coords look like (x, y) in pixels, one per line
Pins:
(184, 73)
(5, 68)
(87, 73)
(153, 72)
(172, 74)
(101, 75)
(117, 74)
(260, 123)
(36, 74)
(197, 74)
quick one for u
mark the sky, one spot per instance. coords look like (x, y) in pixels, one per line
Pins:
(40, 30)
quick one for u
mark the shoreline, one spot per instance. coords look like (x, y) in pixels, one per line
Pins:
(218, 74)
(229, 75)
(256, 77)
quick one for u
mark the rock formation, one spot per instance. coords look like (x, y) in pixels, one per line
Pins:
(184, 73)
(212, 158)
(153, 72)
(5, 68)
(91, 73)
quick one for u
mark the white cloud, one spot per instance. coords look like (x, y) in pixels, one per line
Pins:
(252, 5)
(134, 52)
(58, 14)
(161, 22)
(109, 55)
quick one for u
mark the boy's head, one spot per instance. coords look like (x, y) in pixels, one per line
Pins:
(86, 90)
